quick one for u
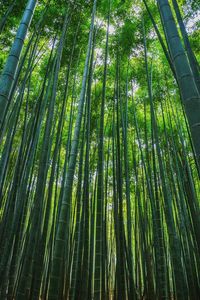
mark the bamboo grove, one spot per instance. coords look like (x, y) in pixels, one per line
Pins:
(99, 150)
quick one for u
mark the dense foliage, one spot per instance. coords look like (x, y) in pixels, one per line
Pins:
(99, 149)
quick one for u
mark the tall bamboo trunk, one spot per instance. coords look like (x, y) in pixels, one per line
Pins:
(191, 57)
(9, 72)
(62, 230)
(187, 85)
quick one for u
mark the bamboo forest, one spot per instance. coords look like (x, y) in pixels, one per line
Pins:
(99, 150)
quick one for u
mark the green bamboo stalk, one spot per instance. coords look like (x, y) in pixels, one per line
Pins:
(62, 229)
(187, 86)
(9, 72)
